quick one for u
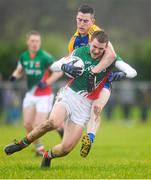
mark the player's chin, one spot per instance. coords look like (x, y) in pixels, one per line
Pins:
(95, 56)
(82, 31)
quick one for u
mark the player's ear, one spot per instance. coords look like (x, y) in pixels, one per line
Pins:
(90, 40)
(27, 41)
(93, 20)
(106, 45)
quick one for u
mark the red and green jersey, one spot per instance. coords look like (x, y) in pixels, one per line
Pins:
(36, 69)
(80, 84)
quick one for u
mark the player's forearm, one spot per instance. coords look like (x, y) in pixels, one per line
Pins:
(107, 59)
(54, 77)
(56, 66)
(18, 73)
(126, 68)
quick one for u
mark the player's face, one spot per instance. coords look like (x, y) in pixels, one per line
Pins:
(34, 43)
(97, 49)
(84, 22)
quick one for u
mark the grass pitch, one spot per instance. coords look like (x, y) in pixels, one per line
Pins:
(119, 151)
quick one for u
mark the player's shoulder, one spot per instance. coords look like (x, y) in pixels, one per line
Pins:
(82, 50)
(45, 54)
(118, 58)
(94, 28)
(23, 55)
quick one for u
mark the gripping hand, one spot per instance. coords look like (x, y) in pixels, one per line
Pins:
(91, 81)
(70, 69)
(42, 84)
(117, 76)
(12, 78)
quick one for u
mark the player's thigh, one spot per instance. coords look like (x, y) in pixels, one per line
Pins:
(40, 117)
(28, 109)
(103, 98)
(58, 114)
(72, 134)
(29, 115)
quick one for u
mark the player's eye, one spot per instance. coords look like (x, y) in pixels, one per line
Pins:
(84, 20)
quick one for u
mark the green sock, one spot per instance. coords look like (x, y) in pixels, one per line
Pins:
(25, 141)
(51, 155)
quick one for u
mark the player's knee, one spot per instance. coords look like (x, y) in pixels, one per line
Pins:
(27, 125)
(97, 108)
(50, 124)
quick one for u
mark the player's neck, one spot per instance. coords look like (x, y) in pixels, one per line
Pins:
(32, 54)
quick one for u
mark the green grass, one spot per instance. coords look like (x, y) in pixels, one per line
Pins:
(120, 151)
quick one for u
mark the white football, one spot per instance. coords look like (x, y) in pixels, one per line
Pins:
(79, 63)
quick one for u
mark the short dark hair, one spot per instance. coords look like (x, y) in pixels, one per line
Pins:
(86, 9)
(33, 32)
(101, 36)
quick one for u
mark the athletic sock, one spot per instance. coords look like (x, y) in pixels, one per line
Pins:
(25, 141)
(51, 155)
(39, 146)
(92, 137)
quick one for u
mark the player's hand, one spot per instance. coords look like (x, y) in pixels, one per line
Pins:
(71, 69)
(12, 78)
(91, 81)
(42, 84)
(116, 76)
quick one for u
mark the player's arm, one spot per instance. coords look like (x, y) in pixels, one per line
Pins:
(126, 71)
(58, 68)
(126, 68)
(107, 59)
(54, 77)
(67, 67)
(18, 73)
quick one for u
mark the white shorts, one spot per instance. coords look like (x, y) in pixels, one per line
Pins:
(41, 103)
(77, 106)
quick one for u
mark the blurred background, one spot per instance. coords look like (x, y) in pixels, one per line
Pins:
(129, 28)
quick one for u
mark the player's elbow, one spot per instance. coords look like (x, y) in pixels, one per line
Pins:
(110, 51)
(132, 73)
(135, 73)
(110, 56)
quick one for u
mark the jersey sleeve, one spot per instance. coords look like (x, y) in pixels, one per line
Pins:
(118, 58)
(71, 42)
(70, 45)
(92, 29)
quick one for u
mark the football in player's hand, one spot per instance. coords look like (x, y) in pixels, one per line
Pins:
(73, 67)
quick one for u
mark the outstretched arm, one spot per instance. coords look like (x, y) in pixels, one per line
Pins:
(54, 77)
(126, 71)
(58, 68)
(126, 68)
(67, 66)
